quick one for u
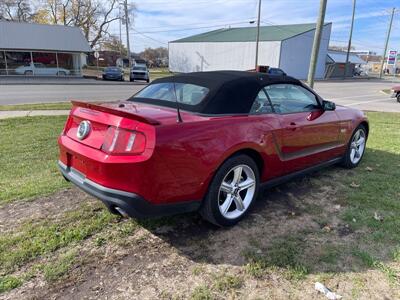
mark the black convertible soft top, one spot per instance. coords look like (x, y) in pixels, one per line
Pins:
(230, 92)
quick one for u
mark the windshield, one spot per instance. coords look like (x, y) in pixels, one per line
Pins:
(112, 69)
(186, 93)
(139, 68)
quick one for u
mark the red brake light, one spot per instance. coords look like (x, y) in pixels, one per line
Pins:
(123, 141)
(67, 125)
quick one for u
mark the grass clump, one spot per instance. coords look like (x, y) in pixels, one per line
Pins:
(35, 239)
(284, 253)
(201, 293)
(57, 269)
(369, 261)
(228, 282)
(8, 283)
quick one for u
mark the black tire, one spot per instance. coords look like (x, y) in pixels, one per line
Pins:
(210, 209)
(148, 80)
(131, 79)
(347, 163)
(398, 97)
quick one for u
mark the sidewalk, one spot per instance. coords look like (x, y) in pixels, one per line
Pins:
(29, 113)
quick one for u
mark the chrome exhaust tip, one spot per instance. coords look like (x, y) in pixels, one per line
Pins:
(121, 212)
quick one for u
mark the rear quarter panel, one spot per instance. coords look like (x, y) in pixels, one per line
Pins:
(349, 118)
(193, 151)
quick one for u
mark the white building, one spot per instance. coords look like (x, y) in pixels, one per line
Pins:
(35, 49)
(286, 46)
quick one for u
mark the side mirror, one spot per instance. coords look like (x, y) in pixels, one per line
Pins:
(328, 105)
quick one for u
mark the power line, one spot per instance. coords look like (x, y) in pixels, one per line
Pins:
(150, 38)
(221, 23)
(193, 28)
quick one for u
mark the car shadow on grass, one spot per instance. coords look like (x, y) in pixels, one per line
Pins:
(321, 223)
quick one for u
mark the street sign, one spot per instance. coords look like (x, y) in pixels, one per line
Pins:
(392, 57)
(96, 54)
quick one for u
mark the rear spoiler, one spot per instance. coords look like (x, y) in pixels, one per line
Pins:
(117, 112)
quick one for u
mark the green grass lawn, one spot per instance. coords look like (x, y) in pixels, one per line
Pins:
(28, 156)
(38, 106)
(159, 73)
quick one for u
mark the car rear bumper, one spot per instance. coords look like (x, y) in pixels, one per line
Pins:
(132, 204)
(112, 77)
(139, 76)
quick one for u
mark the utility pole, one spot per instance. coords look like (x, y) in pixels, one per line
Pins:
(127, 32)
(346, 66)
(387, 41)
(258, 32)
(120, 32)
(317, 42)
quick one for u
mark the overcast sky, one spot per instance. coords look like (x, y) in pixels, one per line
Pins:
(160, 21)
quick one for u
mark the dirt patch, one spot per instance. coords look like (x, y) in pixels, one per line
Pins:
(184, 255)
(16, 213)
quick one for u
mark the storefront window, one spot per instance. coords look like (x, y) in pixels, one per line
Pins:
(40, 63)
(65, 62)
(3, 70)
(45, 63)
(19, 63)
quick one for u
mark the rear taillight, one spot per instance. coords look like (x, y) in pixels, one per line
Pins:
(67, 125)
(123, 141)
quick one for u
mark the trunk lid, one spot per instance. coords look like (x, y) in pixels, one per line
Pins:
(121, 114)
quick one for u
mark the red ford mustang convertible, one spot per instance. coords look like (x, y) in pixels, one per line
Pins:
(205, 141)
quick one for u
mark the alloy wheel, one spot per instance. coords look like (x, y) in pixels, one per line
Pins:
(357, 146)
(236, 191)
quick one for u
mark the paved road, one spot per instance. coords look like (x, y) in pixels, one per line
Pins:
(365, 95)
(20, 94)
(361, 94)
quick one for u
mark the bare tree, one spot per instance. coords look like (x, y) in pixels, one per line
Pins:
(92, 16)
(104, 17)
(155, 57)
(112, 43)
(16, 10)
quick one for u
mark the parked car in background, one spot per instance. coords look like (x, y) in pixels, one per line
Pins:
(139, 72)
(396, 93)
(113, 73)
(41, 69)
(205, 141)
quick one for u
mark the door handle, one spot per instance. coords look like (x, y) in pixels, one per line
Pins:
(292, 126)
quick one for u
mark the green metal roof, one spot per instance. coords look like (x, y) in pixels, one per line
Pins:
(248, 34)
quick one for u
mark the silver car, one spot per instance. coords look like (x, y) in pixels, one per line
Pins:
(41, 69)
(139, 72)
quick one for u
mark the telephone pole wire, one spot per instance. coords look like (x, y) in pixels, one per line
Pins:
(317, 42)
(346, 66)
(387, 41)
(258, 32)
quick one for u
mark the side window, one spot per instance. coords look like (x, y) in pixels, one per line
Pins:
(261, 104)
(290, 98)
